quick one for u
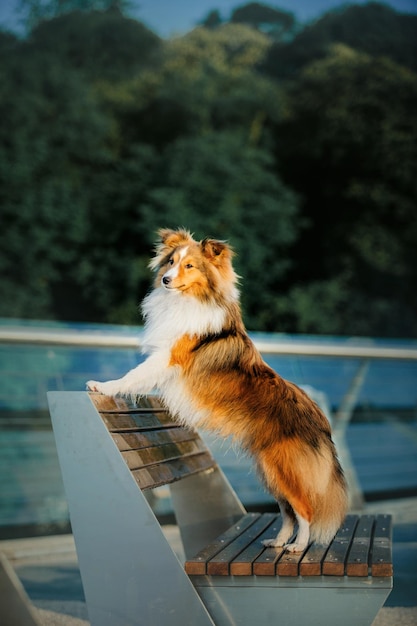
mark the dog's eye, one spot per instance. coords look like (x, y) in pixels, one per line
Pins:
(188, 266)
(171, 262)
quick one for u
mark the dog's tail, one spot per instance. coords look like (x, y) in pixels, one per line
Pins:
(311, 481)
(330, 507)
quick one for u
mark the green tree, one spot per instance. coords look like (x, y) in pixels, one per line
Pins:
(204, 81)
(51, 134)
(279, 24)
(36, 11)
(349, 146)
(100, 44)
(112, 272)
(231, 48)
(212, 19)
(66, 195)
(373, 28)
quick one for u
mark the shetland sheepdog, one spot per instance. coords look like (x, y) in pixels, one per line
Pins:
(210, 375)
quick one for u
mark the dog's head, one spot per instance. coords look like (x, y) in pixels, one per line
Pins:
(202, 269)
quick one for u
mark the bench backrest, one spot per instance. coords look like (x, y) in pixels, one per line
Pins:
(157, 450)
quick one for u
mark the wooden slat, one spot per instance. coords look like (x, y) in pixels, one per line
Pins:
(242, 565)
(381, 564)
(289, 563)
(334, 561)
(311, 563)
(136, 409)
(124, 422)
(198, 564)
(221, 564)
(136, 459)
(116, 403)
(357, 563)
(132, 421)
(265, 564)
(106, 403)
(146, 439)
(171, 471)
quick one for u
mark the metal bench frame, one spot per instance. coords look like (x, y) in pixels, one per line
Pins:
(129, 571)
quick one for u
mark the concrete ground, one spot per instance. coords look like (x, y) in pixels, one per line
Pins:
(48, 569)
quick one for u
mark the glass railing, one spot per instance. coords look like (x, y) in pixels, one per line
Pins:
(368, 388)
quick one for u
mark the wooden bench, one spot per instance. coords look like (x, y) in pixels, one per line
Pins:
(112, 450)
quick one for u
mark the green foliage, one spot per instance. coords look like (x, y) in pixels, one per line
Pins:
(278, 23)
(353, 155)
(373, 28)
(52, 134)
(333, 306)
(37, 11)
(108, 133)
(101, 44)
(231, 48)
(212, 19)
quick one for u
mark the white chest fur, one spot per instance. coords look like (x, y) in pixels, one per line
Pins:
(169, 315)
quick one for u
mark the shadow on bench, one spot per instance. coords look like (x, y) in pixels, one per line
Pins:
(110, 451)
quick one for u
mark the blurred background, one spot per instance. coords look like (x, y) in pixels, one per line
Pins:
(287, 128)
(295, 141)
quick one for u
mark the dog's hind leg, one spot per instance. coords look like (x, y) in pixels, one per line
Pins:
(287, 528)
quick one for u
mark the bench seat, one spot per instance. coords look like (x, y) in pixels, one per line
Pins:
(361, 548)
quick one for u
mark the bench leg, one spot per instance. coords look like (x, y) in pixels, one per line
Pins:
(15, 606)
(205, 506)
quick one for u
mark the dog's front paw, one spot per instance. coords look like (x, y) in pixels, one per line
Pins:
(93, 385)
(295, 547)
(109, 388)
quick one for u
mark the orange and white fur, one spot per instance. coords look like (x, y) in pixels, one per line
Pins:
(210, 375)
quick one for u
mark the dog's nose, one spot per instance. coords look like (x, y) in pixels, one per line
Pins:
(166, 280)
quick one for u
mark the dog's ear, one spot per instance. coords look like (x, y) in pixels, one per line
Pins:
(169, 240)
(216, 251)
